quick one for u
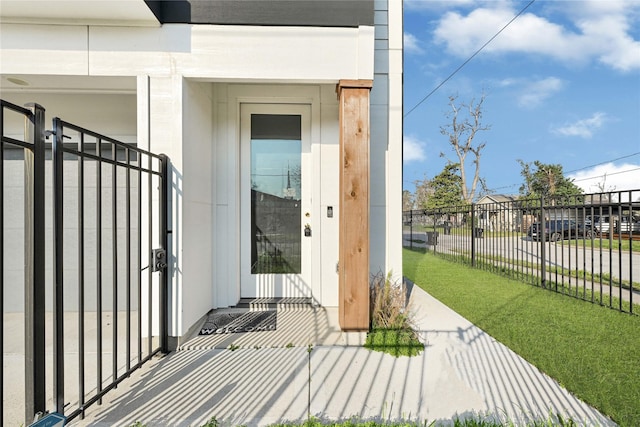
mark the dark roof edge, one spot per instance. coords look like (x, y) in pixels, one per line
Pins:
(320, 13)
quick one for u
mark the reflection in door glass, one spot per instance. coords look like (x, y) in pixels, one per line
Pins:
(275, 194)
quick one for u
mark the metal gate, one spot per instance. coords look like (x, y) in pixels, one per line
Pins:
(91, 292)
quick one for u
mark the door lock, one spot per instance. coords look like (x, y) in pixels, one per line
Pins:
(307, 230)
(158, 259)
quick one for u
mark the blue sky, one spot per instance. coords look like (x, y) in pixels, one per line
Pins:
(562, 85)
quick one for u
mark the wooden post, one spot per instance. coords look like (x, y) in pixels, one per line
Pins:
(354, 204)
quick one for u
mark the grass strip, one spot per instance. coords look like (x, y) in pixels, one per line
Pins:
(604, 243)
(456, 422)
(592, 351)
(515, 268)
(478, 421)
(396, 342)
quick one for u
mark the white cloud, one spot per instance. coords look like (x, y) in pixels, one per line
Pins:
(536, 92)
(413, 150)
(412, 44)
(608, 177)
(508, 82)
(601, 31)
(607, 26)
(583, 128)
(531, 93)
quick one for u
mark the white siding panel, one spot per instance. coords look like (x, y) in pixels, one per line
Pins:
(395, 61)
(395, 24)
(382, 32)
(166, 118)
(395, 105)
(382, 44)
(379, 141)
(377, 240)
(198, 142)
(366, 51)
(382, 4)
(328, 95)
(380, 90)
(223, 156)
(113, 115)
(143, 110)
(380, 17)
(197, 277)
(133, 50)
(43, 49)
(329, 195)
(386, 161)
(394, 179)
(165, 127)
(198, 181)
(329, 257)
(234, 52)
(226, 292)
(382, 62)
(330, 156)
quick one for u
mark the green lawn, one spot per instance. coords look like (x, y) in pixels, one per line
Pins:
(591, 350)
(605, 244)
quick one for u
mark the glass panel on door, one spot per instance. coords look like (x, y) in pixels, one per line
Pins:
(276, 193)
(275, 201)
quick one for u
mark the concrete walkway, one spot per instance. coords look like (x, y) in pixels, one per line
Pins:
(462, 372)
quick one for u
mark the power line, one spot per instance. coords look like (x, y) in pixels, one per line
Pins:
(469, 59)
(604, 163)
(607, 174)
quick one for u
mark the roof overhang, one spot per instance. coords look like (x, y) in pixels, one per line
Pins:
(78, 12)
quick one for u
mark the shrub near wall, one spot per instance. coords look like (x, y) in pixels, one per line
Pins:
(391, 327)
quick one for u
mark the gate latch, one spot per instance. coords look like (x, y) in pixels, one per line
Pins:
(158, 259)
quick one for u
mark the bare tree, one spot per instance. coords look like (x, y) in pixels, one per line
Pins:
(466, 122)
(602, 186)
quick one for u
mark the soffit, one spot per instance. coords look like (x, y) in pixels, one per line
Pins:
(23, 83)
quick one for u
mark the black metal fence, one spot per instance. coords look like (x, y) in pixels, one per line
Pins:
(89, 303)
(585, 246)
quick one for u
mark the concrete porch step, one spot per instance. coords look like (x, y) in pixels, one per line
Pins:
(280, 304)
(299, 323)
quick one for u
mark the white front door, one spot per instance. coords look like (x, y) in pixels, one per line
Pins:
(275, 194)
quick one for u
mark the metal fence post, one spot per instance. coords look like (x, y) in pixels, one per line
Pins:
(165, 188)
(411, 230)
(473, 236)
(34, 263)
(542, 237)
(58, 263)
(630, 194)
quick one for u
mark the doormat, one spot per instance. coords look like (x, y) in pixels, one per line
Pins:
(233, 323)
